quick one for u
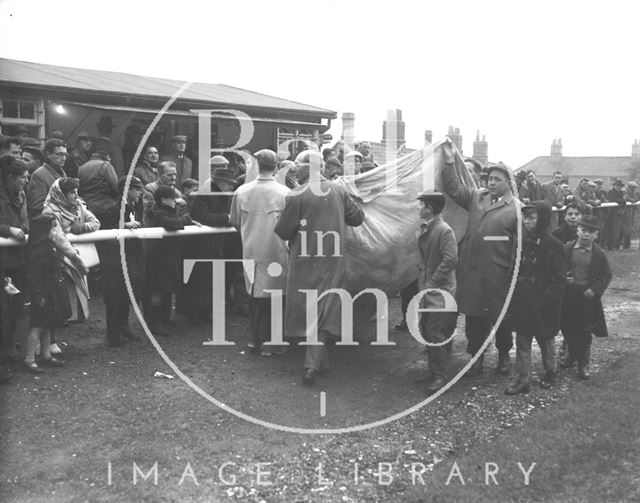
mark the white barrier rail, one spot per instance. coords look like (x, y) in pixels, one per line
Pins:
(142, 233)
(190, 230)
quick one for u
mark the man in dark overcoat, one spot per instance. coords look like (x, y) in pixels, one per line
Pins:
(486, 257)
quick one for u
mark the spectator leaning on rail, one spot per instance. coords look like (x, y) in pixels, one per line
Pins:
(163, 261)
(184, 165)
(147, 168)
(98, 180)
(73, 217)
(13, 225)
(554, 195)
(616, 215)
(116, 296)
(167, 177)
(486, 257)
(43, 178)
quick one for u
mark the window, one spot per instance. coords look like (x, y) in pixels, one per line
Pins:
(12, 109)
(27, 113)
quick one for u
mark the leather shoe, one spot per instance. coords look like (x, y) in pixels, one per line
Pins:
(309, 377)
(548, 380)
(504, 363)
(33, 368)
(476, 368)
(567, 363)
(583, 372)
(401, 326)
(127, 333)
(51, 362)
(435, 384)
(518, 387)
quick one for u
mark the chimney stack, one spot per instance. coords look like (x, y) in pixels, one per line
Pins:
(635, 152)
(393, 128)
(481, 149)
(348, 130)
(455, 136)
(556, 149)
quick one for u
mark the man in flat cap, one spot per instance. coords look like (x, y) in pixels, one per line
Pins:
(616, 215)
(315, 264)
(98, 180)
(255, 209)
(105, 129)
(177, 155)
(116, 296)
(487, 256)
(80, 154)
(438, 261)
(32, 154)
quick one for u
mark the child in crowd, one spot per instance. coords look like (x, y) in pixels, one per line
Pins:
(189, 188)
(589, 277)
(568, 231)
(536, 305)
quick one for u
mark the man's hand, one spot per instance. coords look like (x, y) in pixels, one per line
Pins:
(196, 223)
(559, 205)
(589, 294)
(17, 234)
(132, 225)
(77, 228)
(449, 155)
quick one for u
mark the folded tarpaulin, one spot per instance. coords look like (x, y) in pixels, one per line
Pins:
(383, 252)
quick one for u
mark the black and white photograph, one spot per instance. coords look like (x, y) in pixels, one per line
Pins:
(332, 251)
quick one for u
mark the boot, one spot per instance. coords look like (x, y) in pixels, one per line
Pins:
(435, 384)
(583, 371)
(504, 363)
(548, 380)
(521, 386)
(476, 368)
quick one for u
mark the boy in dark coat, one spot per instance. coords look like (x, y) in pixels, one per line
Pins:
(535, 307)
(568, 231)
(164, 265)
(583, 315)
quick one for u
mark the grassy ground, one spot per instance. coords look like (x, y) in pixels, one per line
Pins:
(59, 432)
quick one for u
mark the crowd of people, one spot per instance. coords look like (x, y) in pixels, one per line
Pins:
(49, 193)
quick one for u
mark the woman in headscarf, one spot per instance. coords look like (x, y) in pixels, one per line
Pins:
(49, 300)
(73, 217)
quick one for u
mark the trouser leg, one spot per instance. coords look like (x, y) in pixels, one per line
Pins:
(584, 348)
(316, 356)
(406, 294)
(548, 353)
(504, 339)
(523, 355)
(437, 328)
(477, 330)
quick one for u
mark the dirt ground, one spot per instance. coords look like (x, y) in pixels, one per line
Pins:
(79, 433)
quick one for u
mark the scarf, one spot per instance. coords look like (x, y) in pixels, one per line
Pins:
(57, 200)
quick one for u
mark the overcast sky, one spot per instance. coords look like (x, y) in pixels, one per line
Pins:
(522, 73)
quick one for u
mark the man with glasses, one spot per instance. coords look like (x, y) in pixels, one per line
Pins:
(43, 177)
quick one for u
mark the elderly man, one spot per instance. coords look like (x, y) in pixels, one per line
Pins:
(43, 177)
(552, 193)
(11, 146)
(98, 180)
(487, 256)
(255, 209)
(147, 168)
(179, 158)
(167, 175)
(80, 154)
(315, 264)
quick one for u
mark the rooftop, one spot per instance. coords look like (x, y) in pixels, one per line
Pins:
(28, 74)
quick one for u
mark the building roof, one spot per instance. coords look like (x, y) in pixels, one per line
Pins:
(597, 167)
(79, 79)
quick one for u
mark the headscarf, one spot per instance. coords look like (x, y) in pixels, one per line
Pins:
(57, 198)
